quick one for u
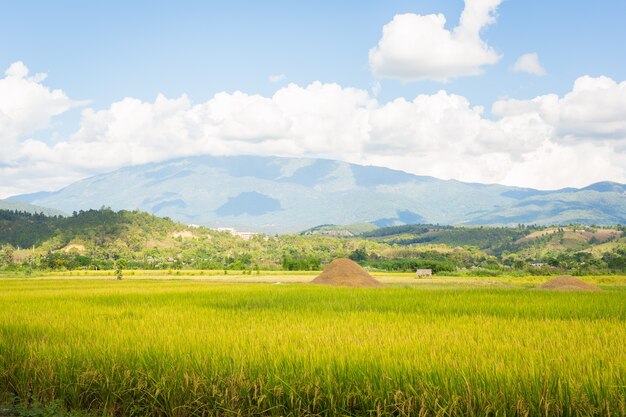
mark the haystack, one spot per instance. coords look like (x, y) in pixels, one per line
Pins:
(346, 273)
(567, 283)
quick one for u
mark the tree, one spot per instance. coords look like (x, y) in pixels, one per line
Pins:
(6, 255)
(358, 255)
(120, 264)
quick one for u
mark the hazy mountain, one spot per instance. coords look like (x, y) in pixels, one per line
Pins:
(18, 205)
(276, 195)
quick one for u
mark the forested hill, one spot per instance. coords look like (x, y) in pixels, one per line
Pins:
(24, 229)
(493, 240)
(94, 239)
(98, 227)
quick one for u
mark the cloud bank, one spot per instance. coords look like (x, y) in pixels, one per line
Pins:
(546, 142)
(419, 47)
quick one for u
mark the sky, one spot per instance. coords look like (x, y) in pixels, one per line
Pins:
(519, 92)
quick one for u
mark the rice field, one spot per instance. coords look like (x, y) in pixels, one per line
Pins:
(189, 348)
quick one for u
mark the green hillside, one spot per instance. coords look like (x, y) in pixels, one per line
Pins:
(95, 239)
(494, 240)
(341, 230)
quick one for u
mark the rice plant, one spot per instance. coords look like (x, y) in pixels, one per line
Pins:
(176, 348)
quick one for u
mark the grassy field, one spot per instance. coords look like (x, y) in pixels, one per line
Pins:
(184, 347)
(390, 278)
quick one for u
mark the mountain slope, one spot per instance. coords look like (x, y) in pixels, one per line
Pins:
(277, 195)
(18, 205)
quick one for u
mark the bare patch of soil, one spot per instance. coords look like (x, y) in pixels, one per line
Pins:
(74, 247)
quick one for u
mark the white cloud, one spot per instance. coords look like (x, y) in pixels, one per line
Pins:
(319, 119)
(17, 70)
(26, 105)
(595, 110)
(418, 47)
(277, 78)
(547, 142)
(554, 165)
(529, 63)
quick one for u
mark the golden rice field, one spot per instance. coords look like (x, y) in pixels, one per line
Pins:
(191, 348)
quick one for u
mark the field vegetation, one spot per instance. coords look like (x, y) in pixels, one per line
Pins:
(186, 348)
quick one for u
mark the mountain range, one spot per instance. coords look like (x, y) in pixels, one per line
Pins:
(279, 195)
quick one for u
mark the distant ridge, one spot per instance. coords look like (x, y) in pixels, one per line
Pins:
(279, 195)
(29, 198)
(29, 208)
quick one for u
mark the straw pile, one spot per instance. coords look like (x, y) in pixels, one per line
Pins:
(346, 273)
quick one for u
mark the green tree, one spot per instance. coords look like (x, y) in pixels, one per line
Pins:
(120, 264)
(359, 255)
(6, 256)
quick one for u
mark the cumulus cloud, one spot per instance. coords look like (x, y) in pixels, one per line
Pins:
(529, 63)
(26, 105)
(419, 47)
(542, 142)
(595, 110)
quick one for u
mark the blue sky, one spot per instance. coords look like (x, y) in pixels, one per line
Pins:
(105, 51)
(99, 53)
